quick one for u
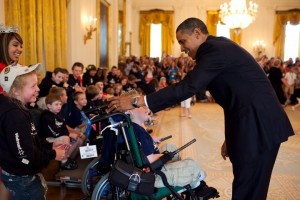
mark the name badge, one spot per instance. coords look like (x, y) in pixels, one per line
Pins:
(88, 152)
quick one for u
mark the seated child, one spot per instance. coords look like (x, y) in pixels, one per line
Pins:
(53, 128)
(75, 119)
(54, 79)
(62, 93)
(94, 100)
(178, 173)
(93, 97)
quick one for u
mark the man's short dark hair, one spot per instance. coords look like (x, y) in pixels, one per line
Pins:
(189, 25)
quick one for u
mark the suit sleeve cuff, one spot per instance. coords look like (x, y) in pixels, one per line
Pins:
(145, 101)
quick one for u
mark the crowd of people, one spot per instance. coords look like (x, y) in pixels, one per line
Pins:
(284, 77)
(63, 95)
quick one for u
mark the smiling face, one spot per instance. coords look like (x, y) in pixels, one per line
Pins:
(27, 91)
(190, 41)
(140, 115)
(58, 77)
(15, 49)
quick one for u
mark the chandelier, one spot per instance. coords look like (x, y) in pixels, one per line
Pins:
(236, 15)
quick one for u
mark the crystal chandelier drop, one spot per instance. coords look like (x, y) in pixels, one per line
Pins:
(236, 15)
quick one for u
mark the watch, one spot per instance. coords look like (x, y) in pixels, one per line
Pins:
(134, 102)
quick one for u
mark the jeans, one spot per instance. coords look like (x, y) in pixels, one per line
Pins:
(28, 187)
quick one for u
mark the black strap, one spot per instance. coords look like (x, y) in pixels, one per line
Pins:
(165, 182)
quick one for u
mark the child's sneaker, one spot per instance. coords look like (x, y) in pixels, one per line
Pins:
(69, 165)
(201, 177)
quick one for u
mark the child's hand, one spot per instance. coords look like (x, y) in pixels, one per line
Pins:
(157, 140)
(60, 154)
(61, 145)
(57, 144)
(74, 136)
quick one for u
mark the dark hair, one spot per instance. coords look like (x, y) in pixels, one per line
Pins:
(92, 91)
(5, 38)
(132, 77)
(91, 67)
(189, 25)
(58, 69)
(57, 91)
(51, 98)
(77, 64)
(65, 71)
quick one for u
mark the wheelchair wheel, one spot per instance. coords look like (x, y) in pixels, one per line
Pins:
(103, 190)
(90, 177)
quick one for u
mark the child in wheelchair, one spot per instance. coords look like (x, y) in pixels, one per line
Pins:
(182, 173)
(178, 172)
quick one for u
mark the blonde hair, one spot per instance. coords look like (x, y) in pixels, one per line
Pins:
(19, 83)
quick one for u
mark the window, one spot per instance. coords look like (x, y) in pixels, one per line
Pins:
(291, 41)
(155, 40)
(223, 30)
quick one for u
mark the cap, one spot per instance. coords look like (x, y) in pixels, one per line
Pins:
(9, 74)
(91, 67)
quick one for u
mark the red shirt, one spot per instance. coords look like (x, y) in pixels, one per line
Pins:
(2, 66)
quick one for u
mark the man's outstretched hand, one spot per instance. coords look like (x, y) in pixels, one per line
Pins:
(120, 104)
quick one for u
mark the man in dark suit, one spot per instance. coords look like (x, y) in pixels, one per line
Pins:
(255, 123)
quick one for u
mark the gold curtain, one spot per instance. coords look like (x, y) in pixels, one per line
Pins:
(282, 17)
(212, 21)
(43, 27)
(236, 35)
(165, 18)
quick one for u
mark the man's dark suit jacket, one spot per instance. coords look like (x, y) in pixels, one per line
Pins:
(254, 119)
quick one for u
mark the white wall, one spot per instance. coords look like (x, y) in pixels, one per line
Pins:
(260, 29)
(77, 50)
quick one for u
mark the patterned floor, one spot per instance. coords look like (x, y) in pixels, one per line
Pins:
(207, 126)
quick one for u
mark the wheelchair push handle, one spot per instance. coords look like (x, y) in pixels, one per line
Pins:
(165, 138)
(183, 147)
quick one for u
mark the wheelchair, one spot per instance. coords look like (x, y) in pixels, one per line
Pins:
(130, 152)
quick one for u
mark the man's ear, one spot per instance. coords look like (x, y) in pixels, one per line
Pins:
(197, 32)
